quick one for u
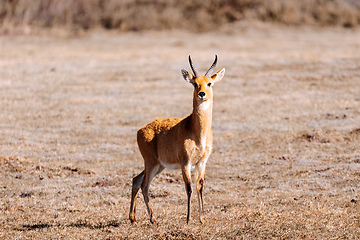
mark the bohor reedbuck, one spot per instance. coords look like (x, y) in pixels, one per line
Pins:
(176, 143)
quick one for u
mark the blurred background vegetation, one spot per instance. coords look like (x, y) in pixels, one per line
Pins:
(193, 15)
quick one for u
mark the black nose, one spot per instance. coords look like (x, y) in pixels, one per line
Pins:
(201, 94)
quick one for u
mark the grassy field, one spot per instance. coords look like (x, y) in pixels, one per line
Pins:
(286, 158)
(23, 16)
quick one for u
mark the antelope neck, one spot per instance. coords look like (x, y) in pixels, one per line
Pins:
(202, 118)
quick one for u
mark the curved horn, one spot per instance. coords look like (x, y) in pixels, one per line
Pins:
(212, 67)
(196, 73)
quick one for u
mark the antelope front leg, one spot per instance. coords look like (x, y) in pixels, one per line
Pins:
(199, 190)
(187, 179)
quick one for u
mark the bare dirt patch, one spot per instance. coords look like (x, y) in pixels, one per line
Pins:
(286, 133)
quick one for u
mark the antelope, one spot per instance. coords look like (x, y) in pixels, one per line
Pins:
(176, 143)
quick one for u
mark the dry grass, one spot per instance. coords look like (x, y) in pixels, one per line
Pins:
(23, 16)
(286, 159)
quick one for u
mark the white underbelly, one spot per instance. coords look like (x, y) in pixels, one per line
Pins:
(170, 165)
(174, 165)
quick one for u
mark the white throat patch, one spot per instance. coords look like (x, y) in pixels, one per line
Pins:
(205, 105)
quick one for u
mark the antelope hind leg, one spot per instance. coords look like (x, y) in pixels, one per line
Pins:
(137, 181)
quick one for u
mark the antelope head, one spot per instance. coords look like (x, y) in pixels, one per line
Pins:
(203, 84)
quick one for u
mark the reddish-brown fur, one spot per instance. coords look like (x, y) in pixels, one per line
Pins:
(178, 143)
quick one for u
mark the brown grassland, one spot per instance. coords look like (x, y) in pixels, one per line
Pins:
(194, 15)
(286, 122)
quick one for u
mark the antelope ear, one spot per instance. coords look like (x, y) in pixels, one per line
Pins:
(218, 76)
(187, 76)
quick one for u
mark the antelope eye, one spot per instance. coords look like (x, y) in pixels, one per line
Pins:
(195, 85)
(209, 84)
